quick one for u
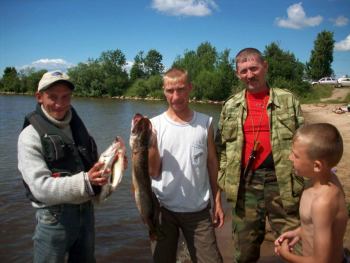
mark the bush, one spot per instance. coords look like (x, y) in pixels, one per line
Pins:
(138, 89)
(299, 88)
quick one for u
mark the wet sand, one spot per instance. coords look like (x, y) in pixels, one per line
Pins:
(312, 113)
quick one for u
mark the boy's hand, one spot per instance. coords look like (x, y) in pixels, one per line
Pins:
(283, 249)
(291, 236)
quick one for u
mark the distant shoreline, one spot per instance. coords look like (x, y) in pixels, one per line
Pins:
(124, 98)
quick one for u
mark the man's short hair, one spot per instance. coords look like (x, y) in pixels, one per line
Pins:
(176, 75)
(244, 54)
(324, 142)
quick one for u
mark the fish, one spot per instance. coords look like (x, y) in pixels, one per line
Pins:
(146, 201)
(113, 159)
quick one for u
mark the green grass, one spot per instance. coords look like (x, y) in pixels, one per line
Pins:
(317, 93)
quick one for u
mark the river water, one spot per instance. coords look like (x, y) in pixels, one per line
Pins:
(120, 234)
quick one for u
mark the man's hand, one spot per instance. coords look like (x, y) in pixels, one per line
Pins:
(95, 174)
(218, 213)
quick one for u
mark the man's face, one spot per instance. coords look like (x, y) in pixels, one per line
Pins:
(177, 94)
(252, 72)
(56, 100)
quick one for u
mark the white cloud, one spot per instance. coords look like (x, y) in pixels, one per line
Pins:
(297, 18)
(343, 45)
(128, 65)
(340, 21)
(50, 64)
(185, 7)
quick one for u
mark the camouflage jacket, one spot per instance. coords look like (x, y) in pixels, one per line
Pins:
(285, 117)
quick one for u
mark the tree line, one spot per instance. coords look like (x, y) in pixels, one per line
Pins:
(212, 72)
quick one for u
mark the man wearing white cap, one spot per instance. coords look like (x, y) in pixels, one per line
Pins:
(58, 161)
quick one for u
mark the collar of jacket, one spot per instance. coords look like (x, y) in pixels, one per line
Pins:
(273, 99)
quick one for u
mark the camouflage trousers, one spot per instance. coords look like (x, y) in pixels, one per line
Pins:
(258, 199)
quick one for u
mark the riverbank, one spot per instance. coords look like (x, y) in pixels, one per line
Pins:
(136, 98)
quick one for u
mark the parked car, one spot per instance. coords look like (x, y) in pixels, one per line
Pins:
(326, 81)
(343, 82)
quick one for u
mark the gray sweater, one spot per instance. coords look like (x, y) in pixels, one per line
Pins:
(48, 190)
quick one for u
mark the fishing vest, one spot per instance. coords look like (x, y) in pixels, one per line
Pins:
(63, 156)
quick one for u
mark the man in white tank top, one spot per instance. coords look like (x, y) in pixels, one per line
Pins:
(184, 168)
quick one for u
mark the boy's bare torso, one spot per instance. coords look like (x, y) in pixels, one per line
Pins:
(330, 198)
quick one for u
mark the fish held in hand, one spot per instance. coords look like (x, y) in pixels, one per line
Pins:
(113, 159)
(146, 201)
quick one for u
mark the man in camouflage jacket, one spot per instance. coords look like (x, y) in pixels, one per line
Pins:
(270, 190)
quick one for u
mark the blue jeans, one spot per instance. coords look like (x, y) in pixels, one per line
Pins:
(65, 231)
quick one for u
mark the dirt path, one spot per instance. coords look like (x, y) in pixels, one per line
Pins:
(312, 113)
(338, 94)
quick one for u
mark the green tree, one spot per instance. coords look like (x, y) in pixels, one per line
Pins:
(285, 71)
(155, 86)
(88, 78)
(206, 85)
(212, 73)
(30, 78)
(207, 56)
(189, 62)
(151, 87)
(137, 70)
(226, 75)
(10, 80)
(116, 78)
(282, 64)
(153, 63)
(321, 57)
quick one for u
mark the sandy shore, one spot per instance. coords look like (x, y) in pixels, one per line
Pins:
(312, 113)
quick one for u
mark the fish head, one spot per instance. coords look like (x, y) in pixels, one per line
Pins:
(141, 131)
(110, 155)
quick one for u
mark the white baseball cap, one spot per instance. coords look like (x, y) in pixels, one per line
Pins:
(51, 77)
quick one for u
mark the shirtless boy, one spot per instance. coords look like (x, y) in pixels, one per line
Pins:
(323, 214)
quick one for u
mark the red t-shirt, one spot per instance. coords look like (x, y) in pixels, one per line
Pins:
(256, 126)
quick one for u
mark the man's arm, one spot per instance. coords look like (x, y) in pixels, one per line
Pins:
(44, 187)
(212, 164)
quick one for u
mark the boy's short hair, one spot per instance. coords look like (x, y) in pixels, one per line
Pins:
(175, 75)
(244, 54)
(324, 142)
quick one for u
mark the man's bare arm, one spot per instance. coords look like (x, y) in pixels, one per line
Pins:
(213, 167)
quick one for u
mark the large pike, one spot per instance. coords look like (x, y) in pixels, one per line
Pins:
(146, 201)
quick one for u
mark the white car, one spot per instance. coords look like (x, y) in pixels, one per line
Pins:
(326, 81)
(343, 82)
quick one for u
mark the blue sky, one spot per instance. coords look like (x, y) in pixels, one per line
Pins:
(60, 34)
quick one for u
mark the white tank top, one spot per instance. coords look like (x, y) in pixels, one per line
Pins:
(183, 185)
